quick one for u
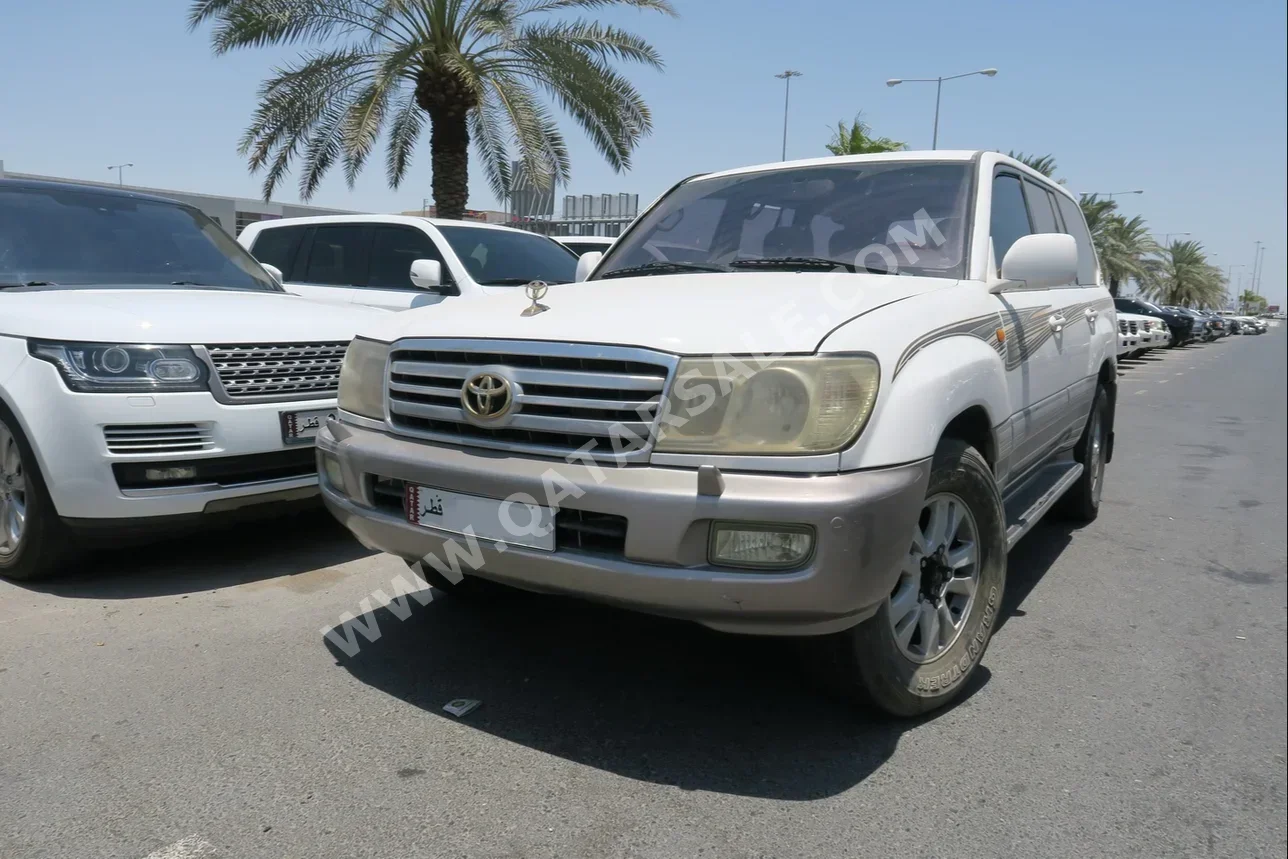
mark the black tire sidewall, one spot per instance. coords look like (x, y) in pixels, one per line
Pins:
(900, 685)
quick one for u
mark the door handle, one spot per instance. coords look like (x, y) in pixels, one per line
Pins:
(1057, 322)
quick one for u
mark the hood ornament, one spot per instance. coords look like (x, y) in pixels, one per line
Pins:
(536, 290)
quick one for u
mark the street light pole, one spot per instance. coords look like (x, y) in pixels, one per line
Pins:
(939, 89)
(120, 171)
(787, 76)
(1167, 237)
(1109, 195)
(1256, 265)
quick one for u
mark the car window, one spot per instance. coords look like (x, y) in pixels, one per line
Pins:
(278, 246)
(908, 218)
(338, 255)
(1044, 217)
(496, 257)
(1076, 226)
(393, 250)
(85, 238)
(1010, 218)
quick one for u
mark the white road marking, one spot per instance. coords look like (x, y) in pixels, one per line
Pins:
(1162, 381)
(1143, 391)
(191, 847)
(1180, 374)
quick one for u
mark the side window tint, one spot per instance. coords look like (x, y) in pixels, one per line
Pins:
(1010, 219)
(393, 250)
(338, 256)
(278, 247)
(1077, 227)
(1044, 219)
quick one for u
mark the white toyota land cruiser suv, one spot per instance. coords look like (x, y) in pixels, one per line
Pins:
(815, 398)
(150, 372)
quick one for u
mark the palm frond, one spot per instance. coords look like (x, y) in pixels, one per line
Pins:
(404, 132)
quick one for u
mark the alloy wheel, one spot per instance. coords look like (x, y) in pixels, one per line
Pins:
(931, 601)
(13, 494)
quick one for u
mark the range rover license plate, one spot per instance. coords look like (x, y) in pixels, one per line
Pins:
(509, 522)
(302, 427)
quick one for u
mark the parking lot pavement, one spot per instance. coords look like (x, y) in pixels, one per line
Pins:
(181, 701)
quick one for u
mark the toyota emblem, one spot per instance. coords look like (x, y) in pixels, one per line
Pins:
(486, 396)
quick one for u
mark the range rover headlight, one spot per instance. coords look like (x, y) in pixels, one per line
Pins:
(362, 378)
(98, 368)
(791, 405)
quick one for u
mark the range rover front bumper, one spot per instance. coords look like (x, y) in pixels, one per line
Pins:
(862, 522)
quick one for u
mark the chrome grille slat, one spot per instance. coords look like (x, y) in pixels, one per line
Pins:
(279, 371)
(158, 438)
(565, 395)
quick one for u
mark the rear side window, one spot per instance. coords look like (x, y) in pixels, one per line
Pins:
(338, 256)
(393, 250)
(279, 247)
(1075, 226)
(1010, 219)
(1040, 206)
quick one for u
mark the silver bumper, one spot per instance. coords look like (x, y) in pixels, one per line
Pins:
(862, 523)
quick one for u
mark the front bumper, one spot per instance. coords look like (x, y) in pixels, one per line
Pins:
(85, 476)
(862, 523)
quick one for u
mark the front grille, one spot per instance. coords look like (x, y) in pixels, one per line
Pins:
(564, 395)
(158, 438)
(1149, 326)
(279, 371)
(1131, 326)
(1122, 326)
(584, 531)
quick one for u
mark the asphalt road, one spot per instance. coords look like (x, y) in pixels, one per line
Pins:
(181, 701)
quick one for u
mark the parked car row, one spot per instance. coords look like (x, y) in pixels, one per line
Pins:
(1143, 325)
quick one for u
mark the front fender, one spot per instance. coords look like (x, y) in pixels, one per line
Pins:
(919, 398)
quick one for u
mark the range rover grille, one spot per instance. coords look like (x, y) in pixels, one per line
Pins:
(280, 371)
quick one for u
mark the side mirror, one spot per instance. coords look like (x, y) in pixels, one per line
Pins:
(586, 264)
(427, 273)
(1039, 262)
(274, 272)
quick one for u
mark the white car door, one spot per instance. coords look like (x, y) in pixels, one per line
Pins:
(394, 247)
(1045, 350)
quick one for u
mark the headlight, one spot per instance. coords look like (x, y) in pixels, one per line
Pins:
(814, 404)
(125, 368)
(362, 378)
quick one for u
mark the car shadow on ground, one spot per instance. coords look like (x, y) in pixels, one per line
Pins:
(218, 557)
(646, 698)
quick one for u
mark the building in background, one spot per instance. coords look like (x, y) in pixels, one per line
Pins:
(531, 206)
(231, 213)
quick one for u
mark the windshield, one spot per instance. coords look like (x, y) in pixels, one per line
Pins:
(892, 217)
(510, 258)
(65, 236)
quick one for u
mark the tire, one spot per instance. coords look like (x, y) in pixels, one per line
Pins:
(1081, 503)
(33, 540)
(888, 665)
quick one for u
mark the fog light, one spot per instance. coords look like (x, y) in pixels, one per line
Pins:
(743, 544)
(160, 475)
(334, 474)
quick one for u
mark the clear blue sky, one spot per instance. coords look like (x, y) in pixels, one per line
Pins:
(1183, 99)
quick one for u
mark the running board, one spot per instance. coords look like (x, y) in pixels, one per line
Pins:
(1031, 502)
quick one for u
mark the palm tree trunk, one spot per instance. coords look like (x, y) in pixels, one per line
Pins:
(1113, 286)
(449, 146)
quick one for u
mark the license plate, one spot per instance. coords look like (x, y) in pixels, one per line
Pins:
(300, 427)
(514, 523)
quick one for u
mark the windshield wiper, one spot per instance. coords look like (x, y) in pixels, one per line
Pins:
(662, 267)
(793, 263)
(27, 283)
(516, 281)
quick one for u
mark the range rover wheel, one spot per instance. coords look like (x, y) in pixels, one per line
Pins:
(918, 651)
(1081, 502)
(31, 535)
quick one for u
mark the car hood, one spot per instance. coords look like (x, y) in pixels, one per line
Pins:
(690, 314)
(171, 315)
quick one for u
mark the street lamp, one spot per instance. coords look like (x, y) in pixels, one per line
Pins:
(1168, 236)
(1111, 194)
(787, 97)
(120, 171)
(939, 88)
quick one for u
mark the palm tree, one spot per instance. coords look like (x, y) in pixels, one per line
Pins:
(1044, 164)
(1123, 246)
(857, 139)
(1251, 302)
(1182, 275)
(480, 70)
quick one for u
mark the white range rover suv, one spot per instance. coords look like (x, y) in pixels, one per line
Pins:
(819, 398)
(150, 372)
